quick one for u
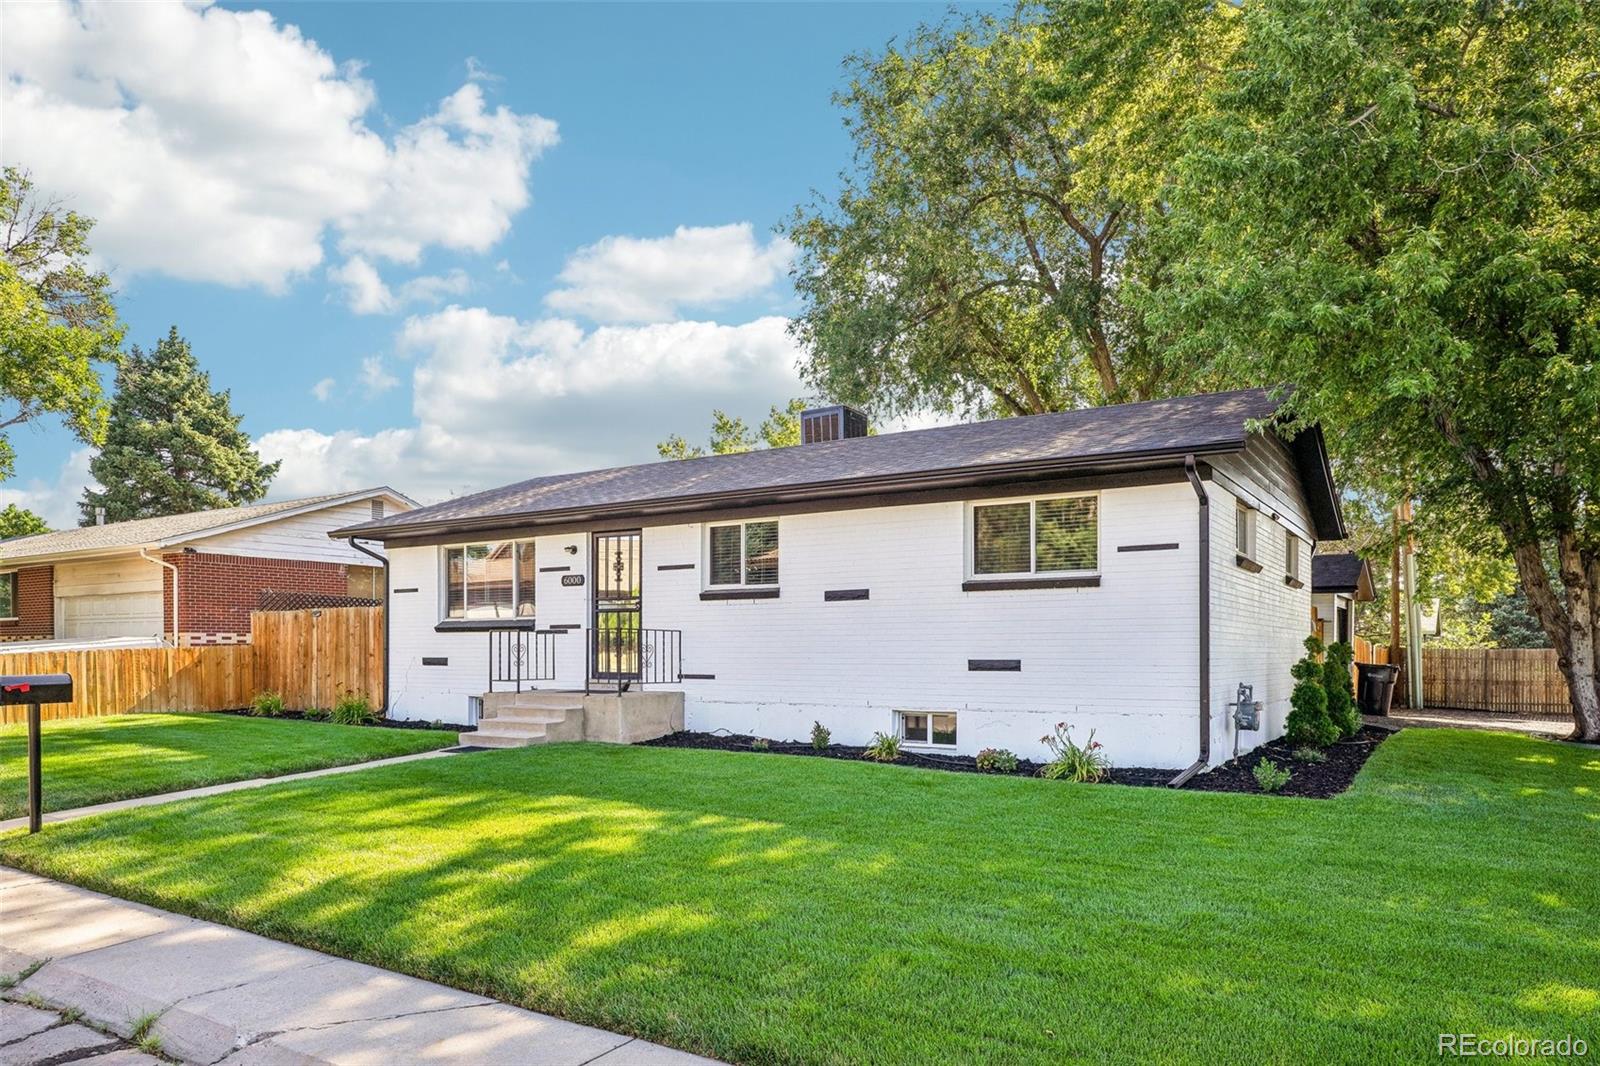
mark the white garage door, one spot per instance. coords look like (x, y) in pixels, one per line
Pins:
(118, 614)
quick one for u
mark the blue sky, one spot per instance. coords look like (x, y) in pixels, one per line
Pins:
(442, 246)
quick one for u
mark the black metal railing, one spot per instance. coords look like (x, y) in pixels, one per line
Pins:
(622, 656)
(521, 656)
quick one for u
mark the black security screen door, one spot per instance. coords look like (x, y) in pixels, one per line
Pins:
(617, 587)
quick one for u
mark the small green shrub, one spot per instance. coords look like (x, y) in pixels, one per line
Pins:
(266, 705)
(315, 714)
(1308, 723)
(997, 761)
(1270, 776)
(1310, 755)
(351, 709)
(820, 736)
(884, 748)
(1071, 762)
(761, 744)
(1342, 709)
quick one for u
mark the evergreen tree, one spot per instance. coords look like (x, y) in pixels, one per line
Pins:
(174, 444)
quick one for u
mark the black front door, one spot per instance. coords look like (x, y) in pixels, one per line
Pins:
(618, 581)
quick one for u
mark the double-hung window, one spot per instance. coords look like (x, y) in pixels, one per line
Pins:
(1054, 535)
(8, 594)
(491, 580)
(742, 555)
(1291, 559)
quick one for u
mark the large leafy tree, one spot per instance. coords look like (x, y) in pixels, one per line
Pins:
(56, 316)
(20, 522)
(975, 258)
(174, 444)
(1395, 207)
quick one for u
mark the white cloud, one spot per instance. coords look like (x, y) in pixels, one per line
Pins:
(323, 390)
(366, 293)
(55, 501)
(632, 279)
(497, 399)
(374, 377)
(364, 290)
(226, 146)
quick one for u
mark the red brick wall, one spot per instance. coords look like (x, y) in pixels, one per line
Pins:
(218, 592)
(36, 605)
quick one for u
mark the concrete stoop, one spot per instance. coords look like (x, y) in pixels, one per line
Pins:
(519, 719)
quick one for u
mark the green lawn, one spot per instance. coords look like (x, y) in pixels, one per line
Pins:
(767, 909)
(93, 760)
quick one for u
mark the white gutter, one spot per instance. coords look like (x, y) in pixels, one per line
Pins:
(174, 569)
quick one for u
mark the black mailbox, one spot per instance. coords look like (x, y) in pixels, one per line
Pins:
(35, 688)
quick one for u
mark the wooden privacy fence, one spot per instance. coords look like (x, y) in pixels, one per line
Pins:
(311, 657)
(127, 680)
(1508, 680)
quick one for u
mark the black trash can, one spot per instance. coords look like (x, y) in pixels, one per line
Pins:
(1375, 686)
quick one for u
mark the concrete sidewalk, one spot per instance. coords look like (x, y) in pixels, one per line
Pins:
(217, 790)
(219, 995)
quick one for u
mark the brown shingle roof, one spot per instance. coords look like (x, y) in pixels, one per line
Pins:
(1093, 438)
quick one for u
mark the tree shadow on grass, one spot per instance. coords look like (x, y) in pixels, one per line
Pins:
(773, 910)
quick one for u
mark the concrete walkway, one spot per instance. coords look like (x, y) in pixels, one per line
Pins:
(216, 790)
(211, 994)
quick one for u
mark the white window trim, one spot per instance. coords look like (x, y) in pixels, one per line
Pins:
(1251, 550)
(1291, 565)
(16, 593)
(900, 729)
(1033, 546)
(705, 555)
(443, 608)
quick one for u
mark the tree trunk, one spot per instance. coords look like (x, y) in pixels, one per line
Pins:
(1581, 660)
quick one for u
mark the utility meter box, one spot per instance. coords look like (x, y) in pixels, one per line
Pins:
(1246, 711)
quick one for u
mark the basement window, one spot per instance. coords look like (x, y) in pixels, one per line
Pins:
(930, 728)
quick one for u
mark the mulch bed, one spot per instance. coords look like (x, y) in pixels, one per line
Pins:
(1317, 780)
(376, 723)
(1313, 780)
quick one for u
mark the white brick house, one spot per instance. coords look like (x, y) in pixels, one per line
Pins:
(1121, 569)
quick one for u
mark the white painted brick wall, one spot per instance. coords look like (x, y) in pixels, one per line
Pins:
(1120, 658)
(1258, 623)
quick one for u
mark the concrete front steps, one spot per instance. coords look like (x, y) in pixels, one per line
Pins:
(518, 719)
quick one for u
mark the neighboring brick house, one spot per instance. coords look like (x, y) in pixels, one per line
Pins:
(119, 581)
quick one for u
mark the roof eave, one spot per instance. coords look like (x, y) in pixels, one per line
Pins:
(13, 562)
(887, 485)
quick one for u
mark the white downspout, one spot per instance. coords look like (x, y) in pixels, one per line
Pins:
(174, 569)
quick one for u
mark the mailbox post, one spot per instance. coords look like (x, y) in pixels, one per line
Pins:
(32, 690)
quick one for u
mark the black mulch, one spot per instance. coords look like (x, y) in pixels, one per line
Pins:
(377, 723)
(1318, 780)
(1314, 780)
(965, 764)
